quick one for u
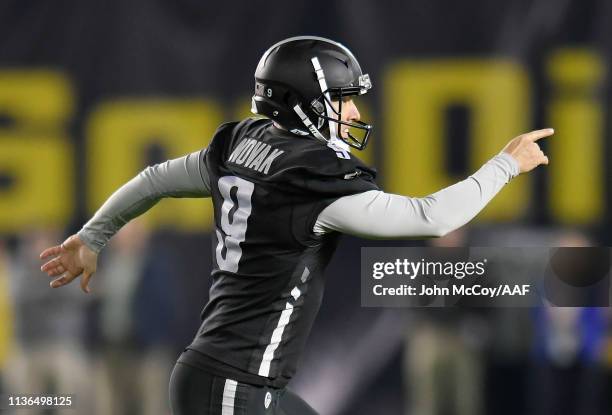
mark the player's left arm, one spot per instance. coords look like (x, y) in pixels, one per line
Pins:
(182, 177)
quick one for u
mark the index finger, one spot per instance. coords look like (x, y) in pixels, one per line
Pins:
(53, 251)
(538, 134)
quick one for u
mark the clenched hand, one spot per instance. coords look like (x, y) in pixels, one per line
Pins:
(71, 259)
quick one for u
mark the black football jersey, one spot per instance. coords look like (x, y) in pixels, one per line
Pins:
(268, 187)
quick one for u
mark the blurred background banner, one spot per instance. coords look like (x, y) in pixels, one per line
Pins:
(91, 92)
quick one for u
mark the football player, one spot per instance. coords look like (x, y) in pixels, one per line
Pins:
(283, 188)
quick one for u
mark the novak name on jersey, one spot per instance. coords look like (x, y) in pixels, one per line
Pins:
(254, 154)
(268, 187)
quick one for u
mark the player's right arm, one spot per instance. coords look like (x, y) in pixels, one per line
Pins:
(376, 214)
(183, 177)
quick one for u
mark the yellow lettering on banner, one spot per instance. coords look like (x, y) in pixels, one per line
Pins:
(242, 110)
(36, 98)
(417, 94)
(39, 172)
(118, 135)
(577, 150)
(36, 161)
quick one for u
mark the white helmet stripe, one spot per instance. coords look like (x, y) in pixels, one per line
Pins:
(333, 127)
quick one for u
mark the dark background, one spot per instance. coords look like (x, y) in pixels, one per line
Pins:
(359, 361)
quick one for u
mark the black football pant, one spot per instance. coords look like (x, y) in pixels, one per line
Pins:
(194, 391)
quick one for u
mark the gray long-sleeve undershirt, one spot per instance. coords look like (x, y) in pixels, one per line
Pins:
(376, 214)
(182, 177)
(372, 214)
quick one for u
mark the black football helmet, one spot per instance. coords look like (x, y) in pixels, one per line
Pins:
(296, 81)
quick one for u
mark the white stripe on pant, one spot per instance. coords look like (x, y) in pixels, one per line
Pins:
(229, 395)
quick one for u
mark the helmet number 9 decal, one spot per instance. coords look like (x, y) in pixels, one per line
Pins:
(235, 213)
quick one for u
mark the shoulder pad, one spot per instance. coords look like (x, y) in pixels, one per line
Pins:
(323, 169)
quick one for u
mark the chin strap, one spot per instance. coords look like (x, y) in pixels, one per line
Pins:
(340, 143)
(308, 123)
(340, 147)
